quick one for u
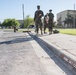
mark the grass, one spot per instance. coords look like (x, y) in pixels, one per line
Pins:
(63, 31)
(68, 31)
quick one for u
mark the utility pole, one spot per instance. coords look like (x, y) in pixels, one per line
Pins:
(74, 16)
(23, 13)
(74, 6)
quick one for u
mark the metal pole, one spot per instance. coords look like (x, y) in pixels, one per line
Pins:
(74, 6)
(74, 16)
(23, 13)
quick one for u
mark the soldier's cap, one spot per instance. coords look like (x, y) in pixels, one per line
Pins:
(50, 10)
(38, 6)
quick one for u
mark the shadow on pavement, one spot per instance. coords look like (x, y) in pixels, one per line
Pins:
(52, 55)
(17, 40)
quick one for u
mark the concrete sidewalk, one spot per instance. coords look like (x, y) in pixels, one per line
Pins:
(63, 41)
(63, 45)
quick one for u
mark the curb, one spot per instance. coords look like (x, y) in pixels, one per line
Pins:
(67, 58)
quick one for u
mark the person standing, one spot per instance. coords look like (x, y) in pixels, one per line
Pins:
(37, 18)
(51, 18)
(14, 28)
(46, 22)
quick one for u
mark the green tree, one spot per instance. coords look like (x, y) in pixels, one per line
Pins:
(28, 21)
(5, 22)
(0, 24)
(14, 22)
(10, 22)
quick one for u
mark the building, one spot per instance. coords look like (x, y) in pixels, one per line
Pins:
(67, 18)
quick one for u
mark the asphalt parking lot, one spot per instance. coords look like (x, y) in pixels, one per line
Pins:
(22, 55)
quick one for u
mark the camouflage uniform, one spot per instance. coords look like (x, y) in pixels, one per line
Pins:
(46, 22)
(51, 17)
(37, 18)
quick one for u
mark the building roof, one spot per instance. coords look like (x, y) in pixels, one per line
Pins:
(66, 10)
